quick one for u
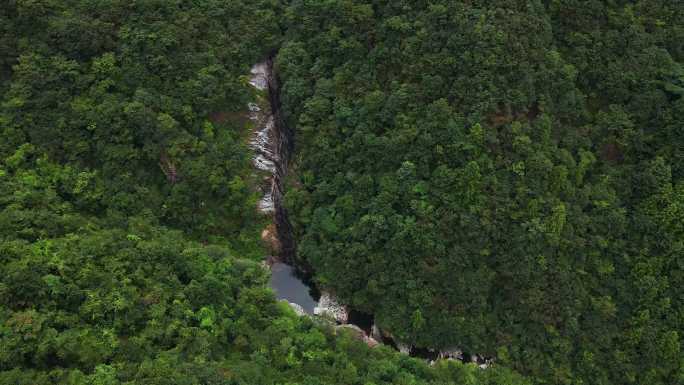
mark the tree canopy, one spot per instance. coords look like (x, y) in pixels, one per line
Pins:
(503, 176)
(129, 234)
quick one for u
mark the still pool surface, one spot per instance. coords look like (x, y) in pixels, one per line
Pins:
(289, 287)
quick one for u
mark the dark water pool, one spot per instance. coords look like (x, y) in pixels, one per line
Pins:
(288, 286)
(362, 320)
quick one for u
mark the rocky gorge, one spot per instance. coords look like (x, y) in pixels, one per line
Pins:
(273, 142)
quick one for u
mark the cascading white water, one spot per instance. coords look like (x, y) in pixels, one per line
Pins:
(261, 142)
(259, 79)
(271, 142)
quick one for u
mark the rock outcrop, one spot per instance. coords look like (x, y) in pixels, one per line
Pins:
(376, 333)
(265, 157)
(328, 306)
(451, 354)
(269, 237)
(403, 348)
(297, 308)
(273, 143)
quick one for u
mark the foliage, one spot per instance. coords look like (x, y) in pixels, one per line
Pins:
(502, 176)
(128, 227)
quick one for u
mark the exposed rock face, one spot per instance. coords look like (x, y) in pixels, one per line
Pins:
(451, 354)
(329, 306)
(273, 143)
(270, 239)
(371, 342)
(261, 142)
(376, 334)
(403, 348)
(297, 309)
(260, 73)
(481, 362)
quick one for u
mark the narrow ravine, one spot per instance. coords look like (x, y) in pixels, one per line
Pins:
(273, 144)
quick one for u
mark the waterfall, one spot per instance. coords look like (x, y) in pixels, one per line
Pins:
(273, 143)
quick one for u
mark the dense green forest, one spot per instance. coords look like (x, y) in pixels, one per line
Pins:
(505, 176)
(129, 236)
(501, 176)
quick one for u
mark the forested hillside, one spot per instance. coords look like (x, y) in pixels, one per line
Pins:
(129, 235)
(502, 176)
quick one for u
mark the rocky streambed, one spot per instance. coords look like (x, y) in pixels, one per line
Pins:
(273, 144)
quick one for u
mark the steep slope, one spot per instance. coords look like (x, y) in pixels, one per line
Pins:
(499, 176)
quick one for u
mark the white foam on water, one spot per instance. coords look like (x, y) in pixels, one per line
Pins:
(265, 157)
